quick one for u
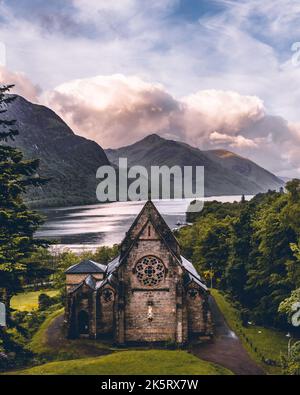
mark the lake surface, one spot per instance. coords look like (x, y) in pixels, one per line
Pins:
(88, 227)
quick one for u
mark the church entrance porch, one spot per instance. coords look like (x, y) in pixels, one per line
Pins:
(83, 323)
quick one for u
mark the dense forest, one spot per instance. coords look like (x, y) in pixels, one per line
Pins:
(251, 250)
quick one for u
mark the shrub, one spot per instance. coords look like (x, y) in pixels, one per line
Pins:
(46, 301)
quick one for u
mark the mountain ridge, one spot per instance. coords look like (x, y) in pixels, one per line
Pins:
(229, 174)
(69, 160)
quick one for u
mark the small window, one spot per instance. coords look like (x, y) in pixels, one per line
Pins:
(107, 295)
(193, 293)
(149, 231)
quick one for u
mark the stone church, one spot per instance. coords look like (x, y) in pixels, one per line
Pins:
(149, 293)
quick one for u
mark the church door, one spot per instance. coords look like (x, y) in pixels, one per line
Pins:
(83, 323)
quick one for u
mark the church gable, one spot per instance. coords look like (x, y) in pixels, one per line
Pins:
(148, 232)
(150, 214)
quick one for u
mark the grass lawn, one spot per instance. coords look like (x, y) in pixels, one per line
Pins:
(28, 301)
(152, 362)
(268, 342)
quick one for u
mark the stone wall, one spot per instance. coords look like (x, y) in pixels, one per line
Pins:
(75, 279)
(160, 302)
(105, 311)
(196, 317)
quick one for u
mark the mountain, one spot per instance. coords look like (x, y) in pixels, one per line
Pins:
(225, 172)
(246, 168)
(69, 160)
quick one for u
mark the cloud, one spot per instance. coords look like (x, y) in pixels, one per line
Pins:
(224, 71)
(234, 141)
(118, 110)
(225, 111)
(113, 110)
(240, 46)
(23, 85)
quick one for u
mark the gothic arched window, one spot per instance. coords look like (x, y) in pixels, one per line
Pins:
(193, 293)
(108, 295)
(150, 271)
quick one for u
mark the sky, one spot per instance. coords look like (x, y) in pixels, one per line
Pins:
(212, 73)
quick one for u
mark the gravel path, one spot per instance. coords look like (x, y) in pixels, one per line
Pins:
(226, 349)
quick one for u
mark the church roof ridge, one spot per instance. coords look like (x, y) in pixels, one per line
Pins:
(86, 266)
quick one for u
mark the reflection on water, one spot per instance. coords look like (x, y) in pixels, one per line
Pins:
(88, 227)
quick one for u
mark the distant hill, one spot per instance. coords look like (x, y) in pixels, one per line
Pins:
(245, 167)
(69, 160)
(225, 172)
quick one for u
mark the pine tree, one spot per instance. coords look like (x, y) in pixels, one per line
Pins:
(17, 223)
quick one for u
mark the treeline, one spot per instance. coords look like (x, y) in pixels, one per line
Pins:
(252, 251)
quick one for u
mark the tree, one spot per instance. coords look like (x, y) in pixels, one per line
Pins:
(17, 223)
(240, 249)
(291, 362)
(293, 187)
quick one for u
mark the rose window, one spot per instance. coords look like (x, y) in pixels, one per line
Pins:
(150, 271)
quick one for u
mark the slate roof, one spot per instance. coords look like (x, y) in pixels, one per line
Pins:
(86, 267)
(193, 274)
(112, 266)
(110, 279)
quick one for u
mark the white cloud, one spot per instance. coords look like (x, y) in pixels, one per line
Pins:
(233, 141)
(113, 110)
(237, 62)
(226, 110)
(23, 85)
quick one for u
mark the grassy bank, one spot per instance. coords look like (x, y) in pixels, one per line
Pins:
(152, 362)
(39, 341)
(51, 343)
(28, 301)
(260, 342)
